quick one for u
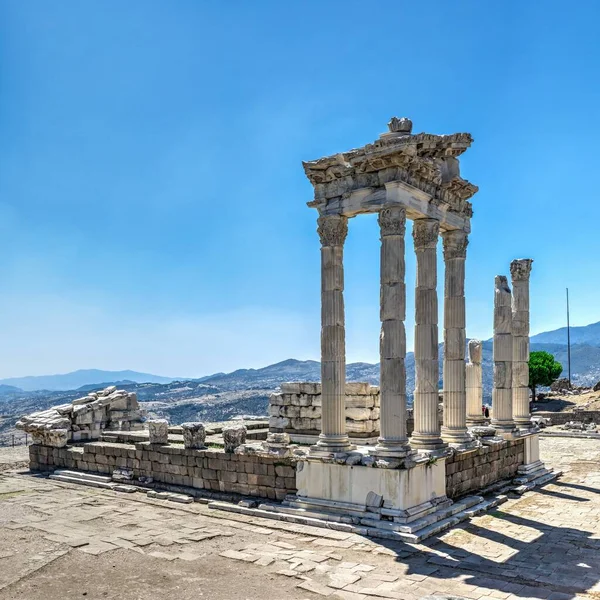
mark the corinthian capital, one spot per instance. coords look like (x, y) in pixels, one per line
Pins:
(392, 221)
(455, 244)
(425, 233)
(520, 269)
(332, 230)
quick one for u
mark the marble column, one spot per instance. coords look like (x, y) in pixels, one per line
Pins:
(502, 413)
(520, 271)
(393, 440)
(474, 374)
(333, 438)
(426, 435)
(454, 430)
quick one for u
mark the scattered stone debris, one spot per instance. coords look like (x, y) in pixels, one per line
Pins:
(182, 498)
(579, 426)
(541, 422)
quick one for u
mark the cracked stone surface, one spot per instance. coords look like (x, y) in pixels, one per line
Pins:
(60, 540)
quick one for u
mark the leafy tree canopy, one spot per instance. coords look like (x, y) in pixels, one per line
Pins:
(543, 369)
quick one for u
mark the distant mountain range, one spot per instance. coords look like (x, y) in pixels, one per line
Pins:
(246, 391)
(77, 379)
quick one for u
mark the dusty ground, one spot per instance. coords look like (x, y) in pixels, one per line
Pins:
(14, 458)
(64, 542)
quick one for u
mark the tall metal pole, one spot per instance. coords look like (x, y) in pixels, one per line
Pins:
(568, 339)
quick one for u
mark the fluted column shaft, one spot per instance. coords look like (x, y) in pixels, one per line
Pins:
(520, 271)
(454, 431)
(502, 412)
(333, 438)
(474, 385)
(426, 435)
(393, 440)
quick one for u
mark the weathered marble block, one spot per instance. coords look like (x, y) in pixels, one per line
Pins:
(194, 435)
(57, 438)
(233, 437)
(159, 431)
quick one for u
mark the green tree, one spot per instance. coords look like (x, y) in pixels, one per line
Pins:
(543, 370)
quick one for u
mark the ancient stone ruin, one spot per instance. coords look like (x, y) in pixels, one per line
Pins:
(342, 455)
(85, 418)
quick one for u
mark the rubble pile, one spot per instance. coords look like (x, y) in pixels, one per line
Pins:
(84, 418)
(579, 426)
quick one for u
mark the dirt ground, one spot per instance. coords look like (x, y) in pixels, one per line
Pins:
(14, 458)
(61, 542)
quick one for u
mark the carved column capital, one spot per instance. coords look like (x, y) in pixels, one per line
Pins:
(425, 233)
(332, 230)
(392, 221)
(455, 244)
(520, 269)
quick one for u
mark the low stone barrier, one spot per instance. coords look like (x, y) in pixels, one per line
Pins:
(468, 472)
(560, 418)
(271, 477)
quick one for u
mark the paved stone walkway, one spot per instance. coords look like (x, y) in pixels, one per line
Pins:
(542, 545)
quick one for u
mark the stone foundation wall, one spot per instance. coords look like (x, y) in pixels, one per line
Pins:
(469, 472)
(249, 475)
(297, 409)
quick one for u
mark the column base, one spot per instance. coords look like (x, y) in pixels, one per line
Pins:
(524, 424)
(476, 422)
(427, 443)
(459, 439)
(506, 429)
(332, 445)
(387, 449)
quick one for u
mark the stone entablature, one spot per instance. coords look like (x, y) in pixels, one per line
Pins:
(297, 410)
(420, 171)
(85, 418)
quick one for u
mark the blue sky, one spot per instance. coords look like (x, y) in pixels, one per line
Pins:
(152, 198)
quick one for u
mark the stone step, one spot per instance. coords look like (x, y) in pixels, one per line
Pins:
(526, 478)
(83, 475)
(326, 505)
(339, 518)
(427, 521)
(551, 475)
(445, 524)
(272, 511)
(291, 518)
(79, 481)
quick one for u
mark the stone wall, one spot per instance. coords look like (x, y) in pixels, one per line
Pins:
(560, 418)
(251, 475)
(297, 409)
(468, 472)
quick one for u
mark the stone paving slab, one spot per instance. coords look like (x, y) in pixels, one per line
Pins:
(545, 544)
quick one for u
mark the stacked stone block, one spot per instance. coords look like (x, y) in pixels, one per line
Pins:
(468, 472)
(502, 406)
(297, 409)
(520, 271)
(270, 477)
(85, 418)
